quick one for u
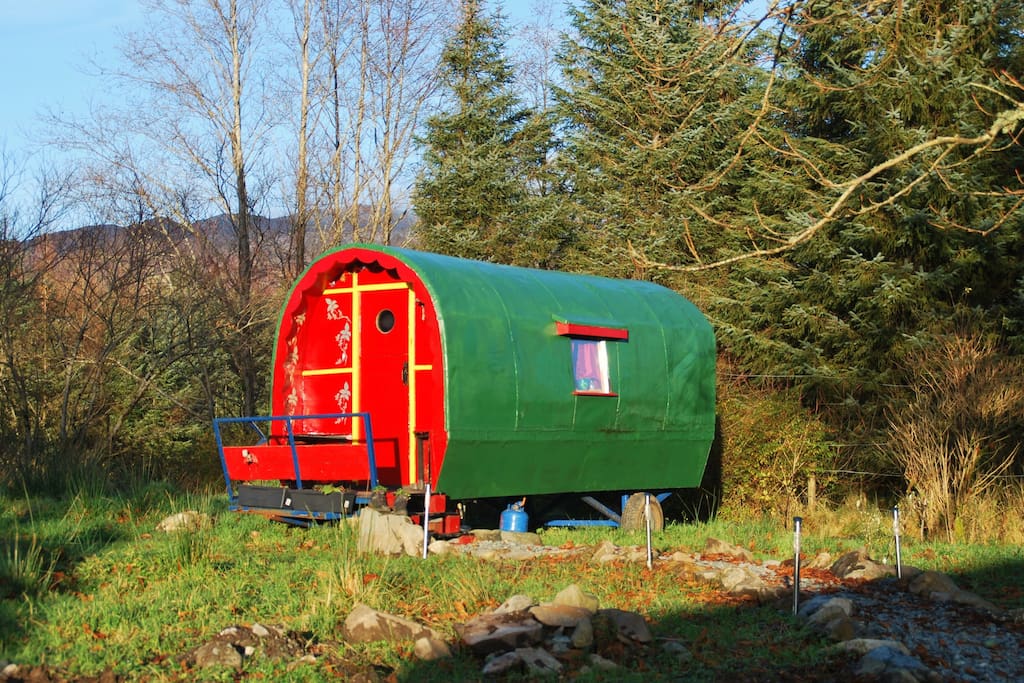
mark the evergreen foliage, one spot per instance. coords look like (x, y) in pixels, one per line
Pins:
(870, 81)
(481, 190)
(654, 104)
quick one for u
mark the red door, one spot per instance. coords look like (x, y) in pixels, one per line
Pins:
(382, 374)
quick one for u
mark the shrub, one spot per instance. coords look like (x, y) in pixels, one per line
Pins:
(770, 447)
(958, 432)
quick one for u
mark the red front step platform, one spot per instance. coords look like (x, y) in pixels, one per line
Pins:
(316, 462)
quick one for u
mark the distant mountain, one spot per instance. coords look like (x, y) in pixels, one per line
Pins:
(217, 231)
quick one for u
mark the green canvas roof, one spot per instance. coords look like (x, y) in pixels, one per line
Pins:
(515, 425)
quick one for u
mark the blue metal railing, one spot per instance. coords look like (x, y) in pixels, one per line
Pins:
(289, 420)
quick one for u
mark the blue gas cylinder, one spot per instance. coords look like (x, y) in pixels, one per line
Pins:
(514, 518)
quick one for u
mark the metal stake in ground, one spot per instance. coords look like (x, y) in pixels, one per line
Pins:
(896, 534)
(426, 520)
(797, 521)
(647, 519)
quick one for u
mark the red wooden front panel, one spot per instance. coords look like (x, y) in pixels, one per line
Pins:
(337, 353)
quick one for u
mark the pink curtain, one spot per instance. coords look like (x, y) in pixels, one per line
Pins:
(586, 366)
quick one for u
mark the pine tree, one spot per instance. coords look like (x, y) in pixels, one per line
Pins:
(483, 160)
(867, 81)
(654, 103)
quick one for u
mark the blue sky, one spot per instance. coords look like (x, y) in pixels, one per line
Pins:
(46, 47)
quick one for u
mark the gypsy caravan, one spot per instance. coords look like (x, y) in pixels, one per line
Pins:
(394, 369)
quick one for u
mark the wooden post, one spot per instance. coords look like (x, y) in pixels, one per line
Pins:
(812, 491)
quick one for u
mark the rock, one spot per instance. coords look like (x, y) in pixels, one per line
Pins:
(190, 520)
(857, 565)
(939, 587)
(830, 609)
(629, 626)
(841, 629)
(502, 664)
(218, 654)
(582, 637)
(489, 633)
(539, 662)
(365, 624)
(635, 554)
(388, 534)
(862, 646)
(439, 547)
(560, 615)
(301, 661)
(304, 659)
(486, 534)
(574, 596)
(812, 605)
(516, 603)
(741, 581)
(822, 560)
(521, 537)
(430, 649)
(708, 576)
(681, 557)
(678, 650)
(830, 615)
(930, 582)
(888, 663)
(606, 551)
(602, 664)
(234, 645)
(714, 546)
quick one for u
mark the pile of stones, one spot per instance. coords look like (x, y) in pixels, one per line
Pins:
(523, 635)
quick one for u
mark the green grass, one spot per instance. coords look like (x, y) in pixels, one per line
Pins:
(88, 584)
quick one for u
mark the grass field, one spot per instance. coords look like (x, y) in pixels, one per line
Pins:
(89, 585)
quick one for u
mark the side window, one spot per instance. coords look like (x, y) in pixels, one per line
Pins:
(589, 344)
(590, 366)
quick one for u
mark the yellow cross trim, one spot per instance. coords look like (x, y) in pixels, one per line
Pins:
(379, 287)
(411, 359)
(326, 371)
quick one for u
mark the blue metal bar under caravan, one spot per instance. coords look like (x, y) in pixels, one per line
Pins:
(223, 462)
(613, 518)
(252, 422)
(217, 422)
(371, 454)
(295, 453)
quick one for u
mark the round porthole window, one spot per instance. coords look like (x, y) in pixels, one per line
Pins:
(385, 321)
